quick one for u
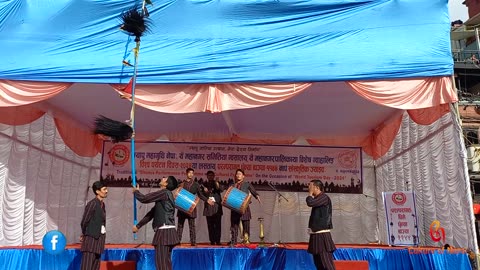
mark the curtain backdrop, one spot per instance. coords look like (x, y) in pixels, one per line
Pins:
(44, 186)
(430, 160)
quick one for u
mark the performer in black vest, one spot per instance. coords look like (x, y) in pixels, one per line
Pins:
(193, 187)
(321, 244)
(236, 217)
(93, 228)
(163, 215)
(210, 193)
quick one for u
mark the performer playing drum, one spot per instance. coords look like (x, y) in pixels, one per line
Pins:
(235, 216)
(193, 187)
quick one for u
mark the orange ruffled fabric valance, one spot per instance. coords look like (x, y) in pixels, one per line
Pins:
(18, 93)
(425, 99)
(210, 97)
(407, 94)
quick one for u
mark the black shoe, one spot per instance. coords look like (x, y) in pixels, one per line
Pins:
(212, 244)
(193, 244)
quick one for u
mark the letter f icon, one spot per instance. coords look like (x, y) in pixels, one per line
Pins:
(54, 242)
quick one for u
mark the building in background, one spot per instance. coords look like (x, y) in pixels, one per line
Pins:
(473, 7)
(466, 55)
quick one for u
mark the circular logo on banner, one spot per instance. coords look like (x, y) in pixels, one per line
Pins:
(54, 242)
(399, 198)
(119, 154)
(348, 159)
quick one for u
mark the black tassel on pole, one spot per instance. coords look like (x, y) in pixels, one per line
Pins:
(116, 130)
(134, 23)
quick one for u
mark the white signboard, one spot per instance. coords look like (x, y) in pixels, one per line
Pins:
(401, 218)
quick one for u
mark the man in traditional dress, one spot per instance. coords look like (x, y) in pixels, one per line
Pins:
(163, 215)
(193, 187)
(93, 228)
(235, 216)
(321, 244)
(210, 193)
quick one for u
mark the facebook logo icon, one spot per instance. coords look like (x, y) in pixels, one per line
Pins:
(54, 242)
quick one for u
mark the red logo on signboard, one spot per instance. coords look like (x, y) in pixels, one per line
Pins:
(399, 198)
(348, 159)
(119, 154)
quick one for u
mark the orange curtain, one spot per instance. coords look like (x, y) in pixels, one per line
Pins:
(17, 93)
(407, 94)
(83, 142)
(20, 115)
(379, 141)
(209, 97)
(425, 99)
(428, 115)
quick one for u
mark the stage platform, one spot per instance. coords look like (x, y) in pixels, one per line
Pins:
(289, 257)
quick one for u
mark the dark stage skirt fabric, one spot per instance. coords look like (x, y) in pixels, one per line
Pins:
(321, 242)
(165, 237)
(93, 245)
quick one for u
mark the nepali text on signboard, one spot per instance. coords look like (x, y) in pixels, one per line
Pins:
(289, 168)
(401, 218)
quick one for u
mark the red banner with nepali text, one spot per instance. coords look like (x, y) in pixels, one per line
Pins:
(288, 168)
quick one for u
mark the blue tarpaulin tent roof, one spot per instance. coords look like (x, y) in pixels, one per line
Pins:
(194, 41)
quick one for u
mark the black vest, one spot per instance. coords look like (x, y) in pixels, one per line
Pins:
(94, 227)
(244, 186)
(193, 188)
(321, 217)
(216, 194)
(164, 212)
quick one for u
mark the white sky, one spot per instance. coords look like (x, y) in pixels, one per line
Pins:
(457, 10)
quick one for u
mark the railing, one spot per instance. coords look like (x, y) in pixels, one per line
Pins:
(466, 56)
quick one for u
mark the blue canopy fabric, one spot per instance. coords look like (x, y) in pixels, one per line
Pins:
(214, 41)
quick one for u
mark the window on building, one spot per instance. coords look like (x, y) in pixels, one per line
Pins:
(471, 138)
